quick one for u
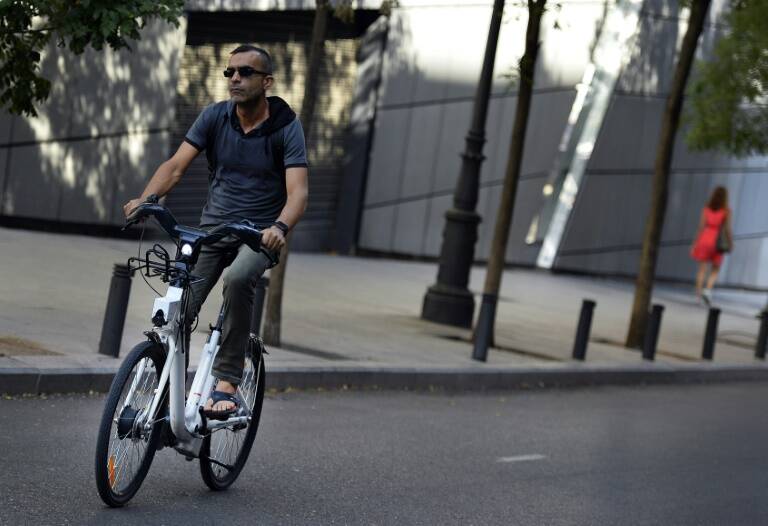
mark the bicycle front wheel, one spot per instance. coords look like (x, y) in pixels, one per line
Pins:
(128, 437)
(225, 451)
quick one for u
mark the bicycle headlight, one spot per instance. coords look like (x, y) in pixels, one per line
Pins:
(186, 249)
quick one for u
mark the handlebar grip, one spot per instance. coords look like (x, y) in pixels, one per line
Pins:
(156, 210)
(132, 219)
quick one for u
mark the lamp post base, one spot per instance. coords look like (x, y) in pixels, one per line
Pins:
(449, 306)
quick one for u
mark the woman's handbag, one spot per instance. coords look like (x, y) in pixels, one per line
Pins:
(723, 244)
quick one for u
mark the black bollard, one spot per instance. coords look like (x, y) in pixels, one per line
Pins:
(582, 331)
(114, 315)
(484, 329)
(652, 333)
(762, 338)
(708, 350)
(259, 293)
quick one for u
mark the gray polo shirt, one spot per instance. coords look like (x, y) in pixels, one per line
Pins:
(248, 177)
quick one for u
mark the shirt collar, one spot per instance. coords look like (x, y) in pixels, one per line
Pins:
(235, 122)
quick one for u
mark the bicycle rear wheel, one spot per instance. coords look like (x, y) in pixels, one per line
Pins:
(225, 451)
(124, 449)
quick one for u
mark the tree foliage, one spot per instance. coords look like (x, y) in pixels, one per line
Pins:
(729, 97)
(27, 26)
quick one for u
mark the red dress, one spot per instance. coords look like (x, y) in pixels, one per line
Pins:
(705, 248)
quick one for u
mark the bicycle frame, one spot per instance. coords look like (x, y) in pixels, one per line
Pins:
(148, 407)
(186, 422)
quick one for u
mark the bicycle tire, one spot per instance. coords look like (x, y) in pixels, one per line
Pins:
(110, 465)
(214, 475)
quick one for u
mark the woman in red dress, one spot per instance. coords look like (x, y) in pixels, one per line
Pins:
(704, 249)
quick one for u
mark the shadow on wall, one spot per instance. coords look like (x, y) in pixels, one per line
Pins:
(96, 140)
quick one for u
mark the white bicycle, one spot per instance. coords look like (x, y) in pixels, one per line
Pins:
(146, 408)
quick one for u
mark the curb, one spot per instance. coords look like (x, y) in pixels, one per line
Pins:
(16, 381)
(508, 379)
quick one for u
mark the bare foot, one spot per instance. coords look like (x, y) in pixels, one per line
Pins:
(224, 405)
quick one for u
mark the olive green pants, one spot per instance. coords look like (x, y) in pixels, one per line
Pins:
(245, 267)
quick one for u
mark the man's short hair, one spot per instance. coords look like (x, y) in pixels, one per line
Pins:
(265, 58)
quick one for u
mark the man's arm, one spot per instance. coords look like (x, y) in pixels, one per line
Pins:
(297, 187)
(166, 176)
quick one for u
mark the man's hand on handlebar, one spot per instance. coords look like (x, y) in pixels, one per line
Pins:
(273, 238)
(131, 205)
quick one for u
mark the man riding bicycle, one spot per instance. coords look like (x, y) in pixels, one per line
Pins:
(257, 157)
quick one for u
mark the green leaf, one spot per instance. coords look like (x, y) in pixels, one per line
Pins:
(727, 108)
(72, 24)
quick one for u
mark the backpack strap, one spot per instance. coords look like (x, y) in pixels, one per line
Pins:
(277, 143)
(210, 140)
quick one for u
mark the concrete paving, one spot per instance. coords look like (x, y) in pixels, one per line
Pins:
(352, 314)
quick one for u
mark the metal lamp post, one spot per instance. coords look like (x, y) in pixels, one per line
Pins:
(449, 301)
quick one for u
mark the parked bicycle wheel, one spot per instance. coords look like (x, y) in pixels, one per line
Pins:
(124, 449)
(225, 451)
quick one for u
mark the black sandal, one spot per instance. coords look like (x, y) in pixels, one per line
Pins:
(221, 396)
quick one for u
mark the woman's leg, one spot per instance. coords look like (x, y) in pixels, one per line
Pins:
(713, 276)
(700, 277)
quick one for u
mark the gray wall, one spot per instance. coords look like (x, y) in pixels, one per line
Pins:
(102, 132)
(106, 128)
(432, 64)
(109, 122)
(431, 70)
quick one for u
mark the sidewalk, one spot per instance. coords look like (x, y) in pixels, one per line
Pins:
(356, 321)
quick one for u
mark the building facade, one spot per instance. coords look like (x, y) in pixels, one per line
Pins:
(396, 102)
(424, 109)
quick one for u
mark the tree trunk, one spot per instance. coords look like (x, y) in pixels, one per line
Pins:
(486, 321)
(660, 189)
(273, 317)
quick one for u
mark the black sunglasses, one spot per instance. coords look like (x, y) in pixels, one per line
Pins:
(244, 71)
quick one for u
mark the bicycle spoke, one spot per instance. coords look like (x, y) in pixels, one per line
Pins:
(226, 443)
(119, 466)
(126, 454)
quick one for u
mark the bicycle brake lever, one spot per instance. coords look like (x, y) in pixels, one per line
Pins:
(274, 260)
(128, 223)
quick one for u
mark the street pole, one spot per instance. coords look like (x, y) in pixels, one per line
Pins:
(483, 337)
(449, 301)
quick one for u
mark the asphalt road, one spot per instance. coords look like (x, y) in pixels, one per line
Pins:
(647, 455)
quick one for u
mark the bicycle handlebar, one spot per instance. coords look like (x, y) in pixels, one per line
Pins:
(245, 231)
(156, 210)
